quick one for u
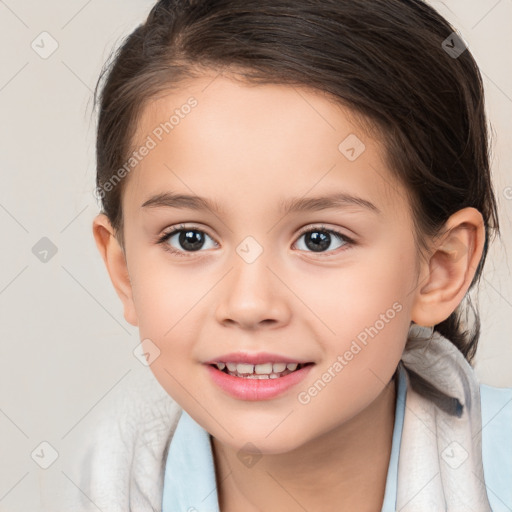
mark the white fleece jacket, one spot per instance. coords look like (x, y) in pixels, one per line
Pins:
(120, 464)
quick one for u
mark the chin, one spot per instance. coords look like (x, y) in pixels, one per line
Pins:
(256, 442)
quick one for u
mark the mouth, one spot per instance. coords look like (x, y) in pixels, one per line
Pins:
(262, 371)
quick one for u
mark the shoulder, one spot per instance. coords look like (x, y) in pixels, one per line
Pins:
(119, 461)
(496, 407)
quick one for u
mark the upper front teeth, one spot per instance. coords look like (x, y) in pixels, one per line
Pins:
(259, 369)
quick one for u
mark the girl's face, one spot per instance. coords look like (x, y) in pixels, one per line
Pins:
(264, 267)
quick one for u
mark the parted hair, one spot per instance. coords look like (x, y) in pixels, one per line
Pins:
(387, 60)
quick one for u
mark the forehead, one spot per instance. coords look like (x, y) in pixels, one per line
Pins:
(233, 142)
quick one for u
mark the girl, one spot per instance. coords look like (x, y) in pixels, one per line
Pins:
(296, 201)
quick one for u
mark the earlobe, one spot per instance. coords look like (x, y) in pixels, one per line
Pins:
(451, 267)
(114, 258)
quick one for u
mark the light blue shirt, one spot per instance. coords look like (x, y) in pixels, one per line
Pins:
(190, 485)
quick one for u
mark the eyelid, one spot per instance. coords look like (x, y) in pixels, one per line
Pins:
(318, 227)
(183, 227)
(168, 232)
(349, 241)
(162, 239)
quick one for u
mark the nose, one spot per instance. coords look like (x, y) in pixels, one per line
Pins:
(252, 296)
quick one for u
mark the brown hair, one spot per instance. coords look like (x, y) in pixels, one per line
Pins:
(387, 60)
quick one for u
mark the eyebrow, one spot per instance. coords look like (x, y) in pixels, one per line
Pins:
(303, 204)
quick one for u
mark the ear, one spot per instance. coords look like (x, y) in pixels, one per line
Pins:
(115, 261)
(446, 276)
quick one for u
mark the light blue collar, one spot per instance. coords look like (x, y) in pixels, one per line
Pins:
(189, 480)
(389, 503)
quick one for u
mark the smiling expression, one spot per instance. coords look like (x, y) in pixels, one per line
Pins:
(302, 242)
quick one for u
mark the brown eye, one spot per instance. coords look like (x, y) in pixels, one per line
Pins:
(319, 240)
(182, 240)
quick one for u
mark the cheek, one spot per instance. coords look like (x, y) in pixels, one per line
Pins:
(170, 309)
(354, 296)
(163, 296)
(363, 315)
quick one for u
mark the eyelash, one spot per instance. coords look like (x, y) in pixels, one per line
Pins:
(165, 237)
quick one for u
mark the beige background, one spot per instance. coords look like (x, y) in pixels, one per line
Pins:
(65, 346)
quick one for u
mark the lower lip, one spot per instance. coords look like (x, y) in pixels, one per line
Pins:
(256, 389)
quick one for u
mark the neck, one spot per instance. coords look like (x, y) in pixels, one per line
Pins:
(344, 469)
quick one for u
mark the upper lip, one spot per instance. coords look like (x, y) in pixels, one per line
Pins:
(257, 358)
